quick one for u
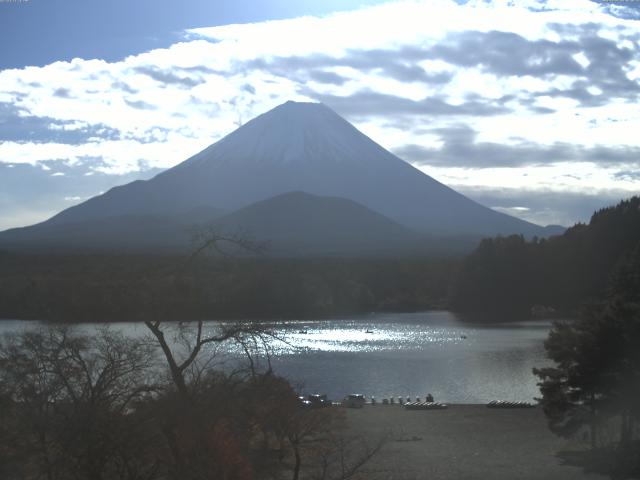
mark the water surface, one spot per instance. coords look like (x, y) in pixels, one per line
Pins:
(408, 354)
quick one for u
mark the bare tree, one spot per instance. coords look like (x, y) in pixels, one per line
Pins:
(322, 448)
(206, 239)
(72, 399)
(202, 432)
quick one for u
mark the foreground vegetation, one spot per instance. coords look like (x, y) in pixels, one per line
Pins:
(593, 389)
(108, 407)
(169, 405)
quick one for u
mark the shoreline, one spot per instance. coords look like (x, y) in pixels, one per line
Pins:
(464, 319)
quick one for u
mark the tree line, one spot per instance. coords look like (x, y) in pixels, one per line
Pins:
(504, 277)
(507, 276)
(76, 288)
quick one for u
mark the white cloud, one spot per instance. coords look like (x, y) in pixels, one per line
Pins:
(169, 103)
(566, 177)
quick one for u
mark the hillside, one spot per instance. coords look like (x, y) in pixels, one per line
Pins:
(129, 233)
(298, 223)
(510, 275)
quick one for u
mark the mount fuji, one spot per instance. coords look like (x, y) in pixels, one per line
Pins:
(296, 147)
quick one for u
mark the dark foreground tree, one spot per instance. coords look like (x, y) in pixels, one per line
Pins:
(594, 388)
(190, 401)
(100, 407)
(67, 406)
(248, 423)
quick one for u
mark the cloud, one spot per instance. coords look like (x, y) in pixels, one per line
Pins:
(322, 76)
(607, 70)
(140, 105)
(367, 103)
(629, 175)
(546, 207)
(504, 54)
(124, 86)
(507, 54)
(168, 77)
(460, 148)
(62, 93)
(30, 194)
(473, 92)
(621, 8)
(249, 88)
(18, 125)
(396, 64)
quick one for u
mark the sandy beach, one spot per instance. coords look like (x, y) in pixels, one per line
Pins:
(464, 442)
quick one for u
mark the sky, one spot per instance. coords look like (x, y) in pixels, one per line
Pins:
(529, 106)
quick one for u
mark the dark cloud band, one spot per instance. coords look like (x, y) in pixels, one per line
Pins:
(460, 149)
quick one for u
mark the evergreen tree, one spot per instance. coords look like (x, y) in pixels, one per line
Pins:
(596, 378)
(509, 275)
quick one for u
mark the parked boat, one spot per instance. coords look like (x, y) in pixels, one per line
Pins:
(506, 404)
(425, 406)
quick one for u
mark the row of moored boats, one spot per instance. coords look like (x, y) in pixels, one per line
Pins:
(505, 404)
(425, 406)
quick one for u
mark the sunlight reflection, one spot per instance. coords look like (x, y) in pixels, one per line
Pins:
(328, 338)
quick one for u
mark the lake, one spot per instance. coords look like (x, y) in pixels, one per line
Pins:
(392, 354)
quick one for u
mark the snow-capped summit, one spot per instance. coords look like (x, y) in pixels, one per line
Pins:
(291, 133)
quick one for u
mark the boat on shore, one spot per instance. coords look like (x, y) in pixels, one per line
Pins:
(425, 406)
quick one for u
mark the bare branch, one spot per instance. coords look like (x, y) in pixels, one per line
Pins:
(208, 237)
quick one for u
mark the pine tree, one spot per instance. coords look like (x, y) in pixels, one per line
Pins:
(596, 377)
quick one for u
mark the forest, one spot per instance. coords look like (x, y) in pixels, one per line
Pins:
(75, 288)
(503, 278)
(510, 276)
(591, 390)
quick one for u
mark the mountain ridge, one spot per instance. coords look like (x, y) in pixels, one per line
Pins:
(293, 223)
(300, 147)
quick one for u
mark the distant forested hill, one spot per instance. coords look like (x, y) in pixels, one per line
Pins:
(76, 288)
(509, 275)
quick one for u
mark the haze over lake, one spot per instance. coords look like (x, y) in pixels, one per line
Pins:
(406, 354)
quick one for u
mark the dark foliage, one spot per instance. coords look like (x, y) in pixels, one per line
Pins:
(593, 389)
(68, 406)
(509, 275)
(74, 288)
(109, 408)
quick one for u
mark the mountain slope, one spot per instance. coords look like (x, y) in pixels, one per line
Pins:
(302, 147)
(300, 223)
(119, 233)
(294, 223)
